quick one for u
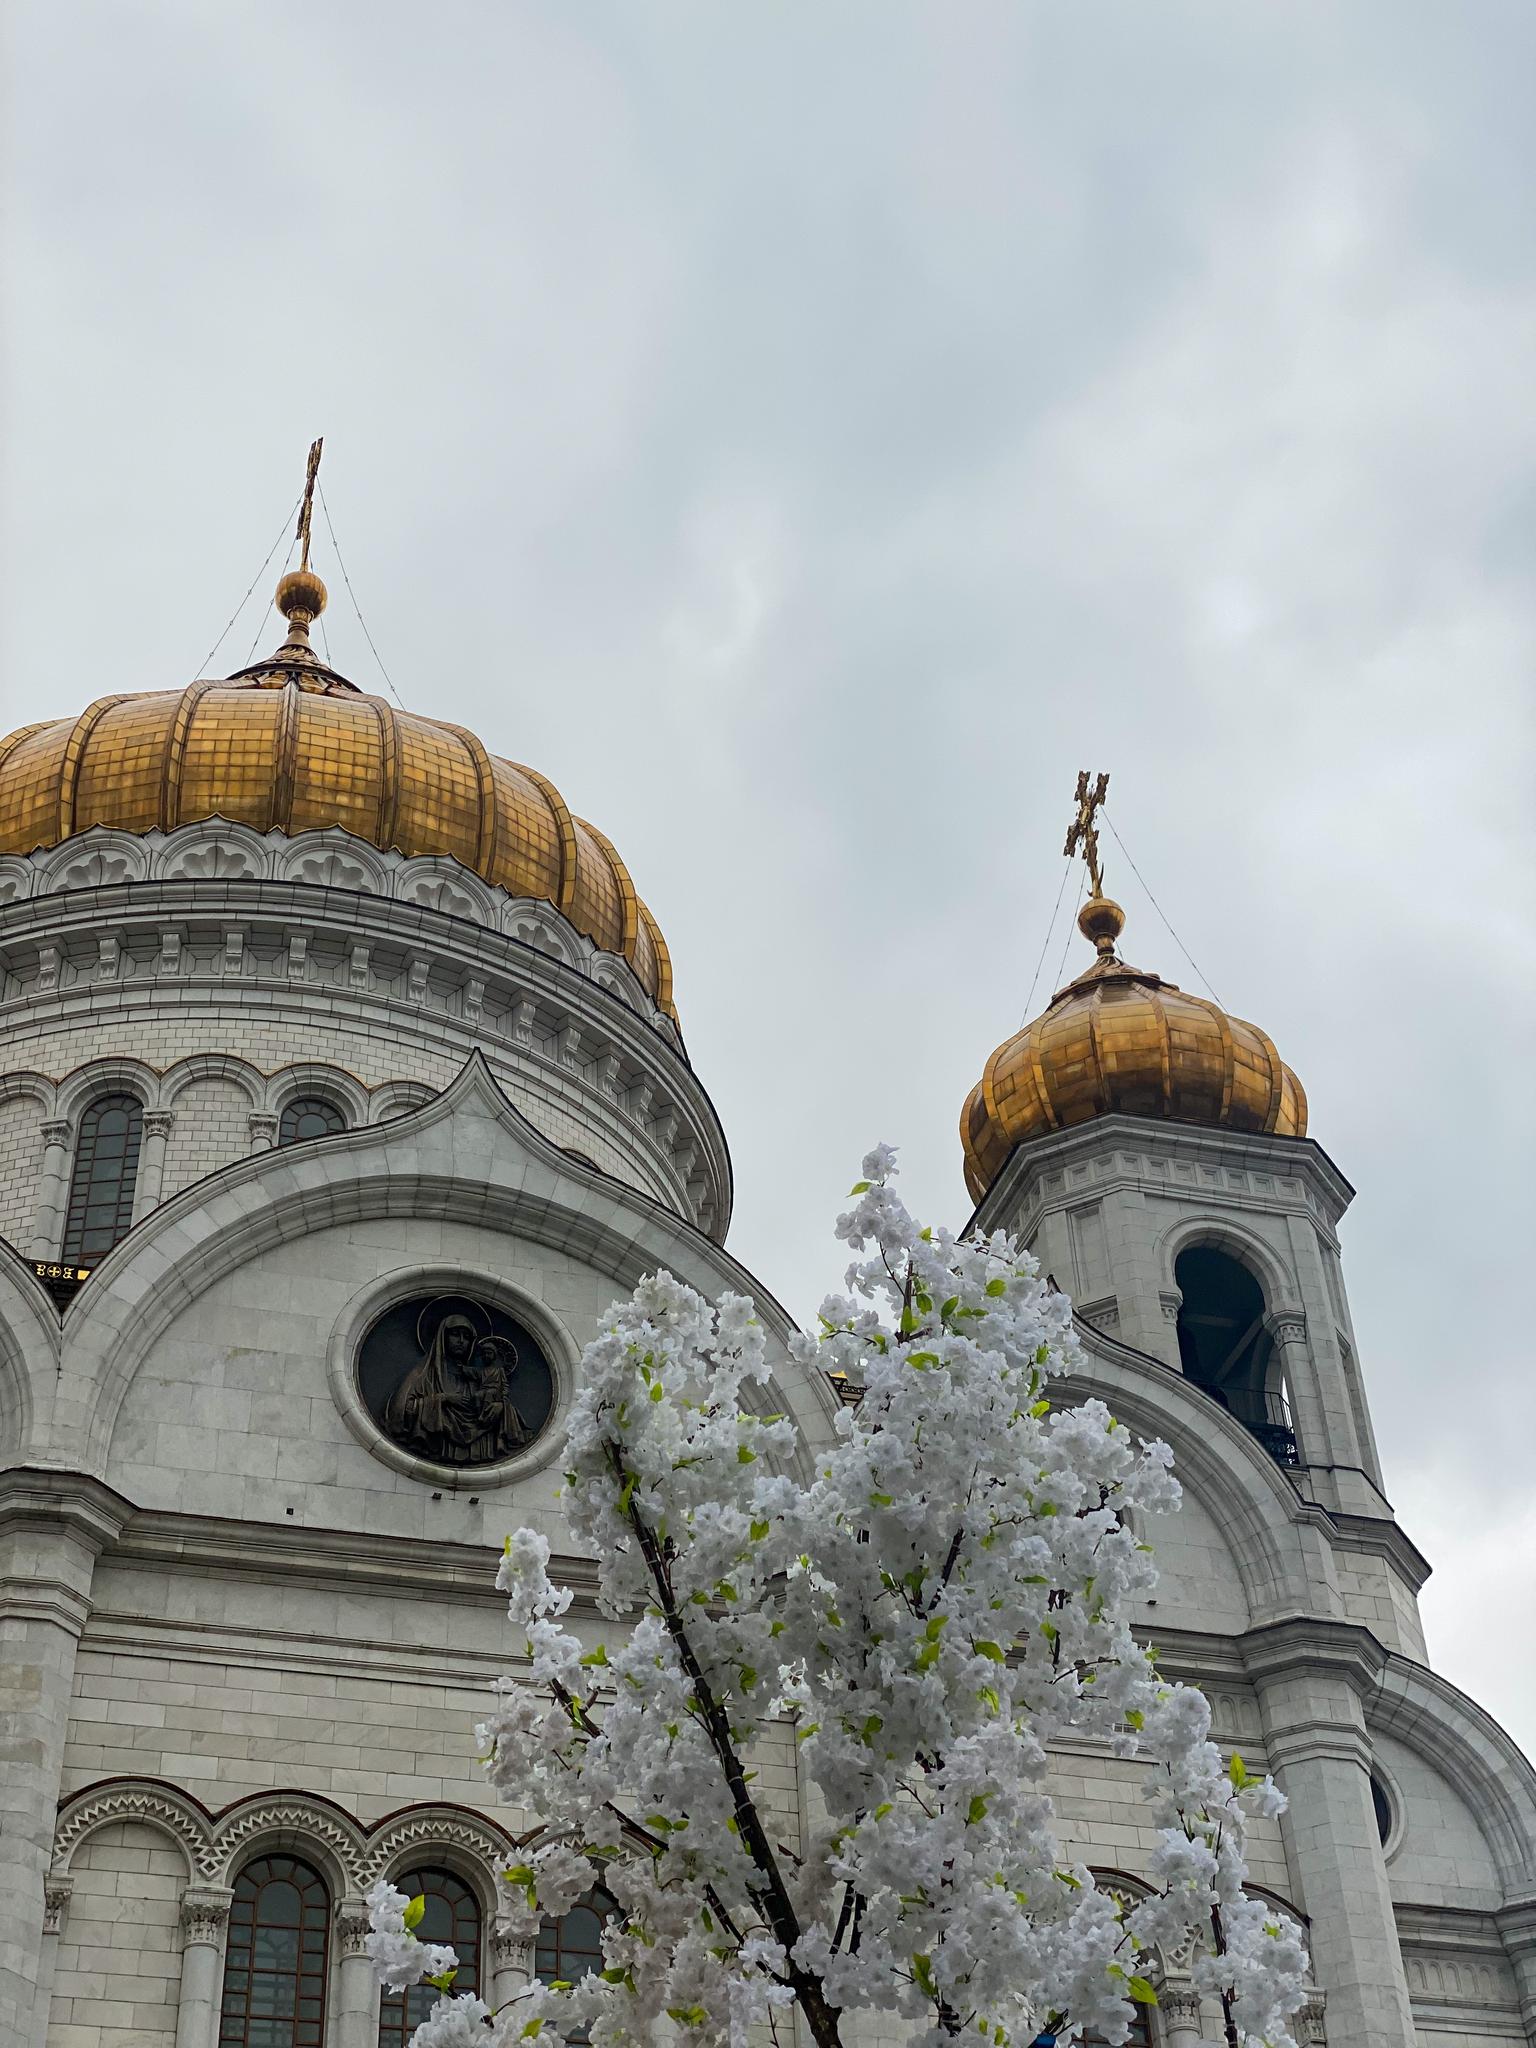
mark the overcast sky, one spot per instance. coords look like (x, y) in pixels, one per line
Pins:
(810, 433)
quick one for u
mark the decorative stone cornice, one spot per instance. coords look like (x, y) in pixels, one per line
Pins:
(1225, 1169)
(204, 1913)
(434, 960)
(1315, 1647)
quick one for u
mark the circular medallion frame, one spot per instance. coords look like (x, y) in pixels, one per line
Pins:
(414, 1309)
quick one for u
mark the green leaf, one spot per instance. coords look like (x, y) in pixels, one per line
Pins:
(1040, 1408)
(657, 1390)
(976, 1811)
(413, 1912)
(949, 1307)
(745, 1457)
(922, 1975)
(886, 1806)
(1237, 1771)
(532, 2031)
(989, 1698)
(758, 1531)
(627, 1494)
(687, 2015)
(994, 1651)
(1135, 1719)
(519, 1874)
(880, 1500)
(444, 1982)
(861, 1187)
(748, 1677)
(594, 1657)
(928, 1656)
(997, 1287)
(1142, 1991)
(871, 1728)
(937, 1624)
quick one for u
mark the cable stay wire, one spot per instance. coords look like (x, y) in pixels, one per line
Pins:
(202, 667)
(1136, 871)
(262, 625)
(1029, 1001)
(331, 530)
(1066, 944)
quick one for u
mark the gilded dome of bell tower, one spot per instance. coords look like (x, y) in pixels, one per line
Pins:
(1119, 1040)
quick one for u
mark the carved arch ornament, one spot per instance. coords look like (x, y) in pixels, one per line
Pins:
(217, 1845)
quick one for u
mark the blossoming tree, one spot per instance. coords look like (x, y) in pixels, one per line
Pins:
(944, 1597)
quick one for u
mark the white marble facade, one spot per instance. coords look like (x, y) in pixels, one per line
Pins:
(235, 1622)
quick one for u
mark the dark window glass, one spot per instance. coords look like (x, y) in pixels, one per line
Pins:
(309, 1116)
(571, 1946)
(1140, 2035)
(1382, 1806)
(452, 1915)
(274, 1963)
(106, 1167)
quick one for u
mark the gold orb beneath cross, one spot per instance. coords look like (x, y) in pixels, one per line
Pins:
(301, 596)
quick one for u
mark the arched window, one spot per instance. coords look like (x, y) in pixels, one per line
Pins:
(106, 1167)
(571, 1946)
(309, 1116)
(452, 1915)
(1224, 1347)
(274, 1963)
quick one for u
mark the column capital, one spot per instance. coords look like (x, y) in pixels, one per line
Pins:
(204, 1910)
(55, 1130)
(56, 1897)
(1309, 2026)
(1179, 2004)
(158, 1122)
(352, 1927)
(1286, 1326)
(262, 1125)
(511, 1951)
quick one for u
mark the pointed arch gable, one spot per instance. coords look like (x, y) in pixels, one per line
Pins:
(468, 1156)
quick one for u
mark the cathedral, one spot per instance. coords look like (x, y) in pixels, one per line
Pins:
(342, 1088)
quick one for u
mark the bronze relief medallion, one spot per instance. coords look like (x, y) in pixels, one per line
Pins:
(455, 1380)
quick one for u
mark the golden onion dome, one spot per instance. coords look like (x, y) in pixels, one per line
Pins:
(1117, 1040)
(290, 745)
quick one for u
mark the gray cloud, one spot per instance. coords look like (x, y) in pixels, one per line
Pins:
(810, 434)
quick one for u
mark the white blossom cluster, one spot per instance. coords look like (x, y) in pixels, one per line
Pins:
(939, 1600)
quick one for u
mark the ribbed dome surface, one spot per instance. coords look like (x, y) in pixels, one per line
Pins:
(294, 747)
(1119, 1040)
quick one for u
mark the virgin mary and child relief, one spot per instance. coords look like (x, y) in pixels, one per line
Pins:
(454, 1380)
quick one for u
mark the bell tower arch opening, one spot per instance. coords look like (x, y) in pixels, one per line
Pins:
(1225, 1347)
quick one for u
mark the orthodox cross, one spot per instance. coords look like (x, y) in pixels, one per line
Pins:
(308, 506)
(1082, 835)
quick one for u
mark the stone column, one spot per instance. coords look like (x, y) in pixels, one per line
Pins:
(511, 1965)
(56, 1892)
(357, 1995)
(1312, 1678)
(204, 1918)
(151, 1175)
(52, 1191)
(52, 1527)
(1287, 1328)
(263, 1129)
(1178, 2007)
